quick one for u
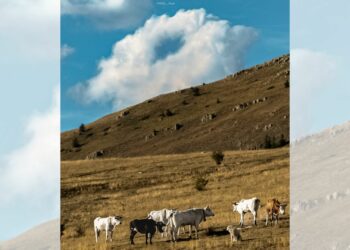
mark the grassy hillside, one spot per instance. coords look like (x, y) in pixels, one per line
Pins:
(203, 118)
(133, 186)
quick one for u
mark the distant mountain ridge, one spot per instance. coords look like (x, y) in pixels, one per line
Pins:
(238, 112)
(45, 236)
(320, 188)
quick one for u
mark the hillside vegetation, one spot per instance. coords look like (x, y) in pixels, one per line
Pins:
(131, 187)
(242, 111)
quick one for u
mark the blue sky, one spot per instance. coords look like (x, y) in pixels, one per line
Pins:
(92, 41)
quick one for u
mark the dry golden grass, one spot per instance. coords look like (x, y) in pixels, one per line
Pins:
(132, 187)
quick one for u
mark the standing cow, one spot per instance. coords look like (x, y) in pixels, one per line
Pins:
(244, 206)
(163, 216)
(273, 209)
(191, 217)
(108, 224)
(145, 226)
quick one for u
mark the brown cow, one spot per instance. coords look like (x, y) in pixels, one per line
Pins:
(274, 208)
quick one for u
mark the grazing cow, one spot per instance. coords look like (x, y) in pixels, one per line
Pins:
(273, 209)
(235, 233)
(161, 216)
(191, 217)
(244, 206)
(108, 224)
(145, 226)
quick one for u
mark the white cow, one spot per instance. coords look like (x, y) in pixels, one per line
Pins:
(108, 224)
(244, 206)
(191, 217)
(163, 216)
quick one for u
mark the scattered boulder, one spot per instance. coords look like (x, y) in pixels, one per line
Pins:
(267, 127)
(177, 126)
(208, 117)
(123, 114)
(167, 112)
(95, 154)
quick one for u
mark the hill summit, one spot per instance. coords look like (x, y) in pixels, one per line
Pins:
(246, 110)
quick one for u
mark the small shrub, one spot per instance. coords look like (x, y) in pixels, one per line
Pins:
(218, 157)
(270, 142)
(75, 143)
(195, 91)
(286, 84)
(82, 128)
(201, 183)
(184, 102)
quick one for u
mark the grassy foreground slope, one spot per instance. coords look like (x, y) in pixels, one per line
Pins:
(132, 187)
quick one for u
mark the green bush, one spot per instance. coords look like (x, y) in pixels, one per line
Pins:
(201, 183)
(218, 157)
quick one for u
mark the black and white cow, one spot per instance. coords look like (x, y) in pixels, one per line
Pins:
(145, 226)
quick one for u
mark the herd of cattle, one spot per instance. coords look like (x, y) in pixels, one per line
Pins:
(169, 221)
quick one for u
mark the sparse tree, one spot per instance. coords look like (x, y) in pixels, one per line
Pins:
(82, 128)
(218, 157)
(282, 141)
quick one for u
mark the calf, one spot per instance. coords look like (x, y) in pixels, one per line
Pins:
(108, 224)
(235, 233)
(191, 217)
(244, 206)
(274, 208)
(145, 226)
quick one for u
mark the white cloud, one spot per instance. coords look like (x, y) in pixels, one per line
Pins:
(31, 172)
(210, 49)
(66, 51)
(109, 14)
(312, 71)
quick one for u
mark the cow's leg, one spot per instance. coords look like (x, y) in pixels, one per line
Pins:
(97, 234)
(267, 219)
(242, 220)
(254, 217)
(190, 231)
(196, 229)
(150, 239)
(175, 230)
(111, 236)
(132, 235)
(106, 234)
(276, 219)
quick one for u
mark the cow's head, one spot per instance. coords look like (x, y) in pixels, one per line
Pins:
(116, 220)
(208, 212)
(282, 209)
(160, 226)
(234, 206)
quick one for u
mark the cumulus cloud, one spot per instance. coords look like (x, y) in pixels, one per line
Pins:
(66, 50)
(30, 174)
(206, 49)
(311, 71)
(109, 14)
